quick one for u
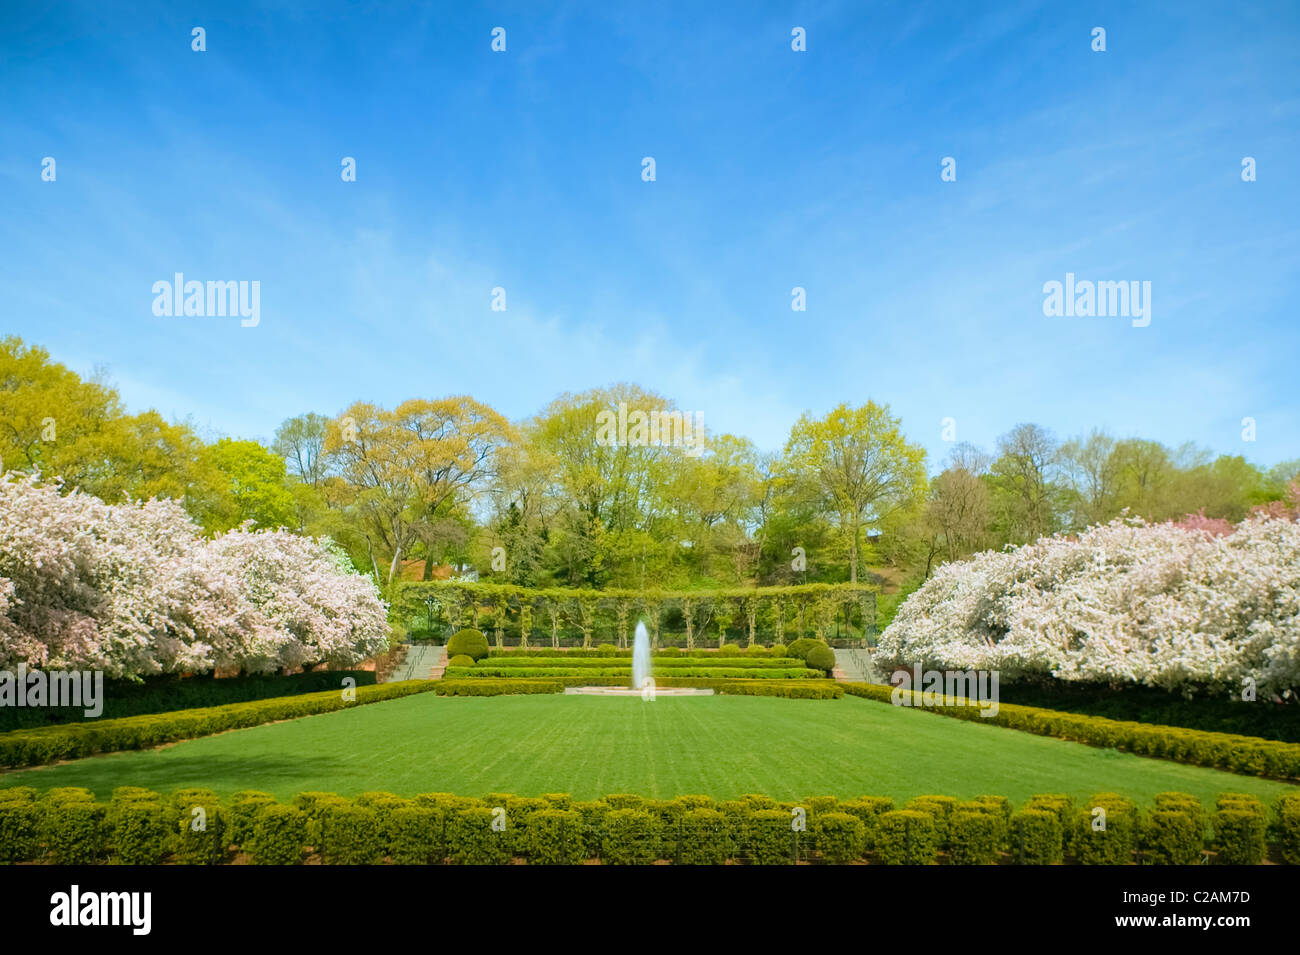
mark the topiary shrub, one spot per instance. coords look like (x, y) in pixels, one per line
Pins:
(606, 650)
(1108, 839)
(244, 806)
(350, 835)
(1036, 837)
(554, 837)
(468, 642)
(140, 832)
(668, 652)
(19, 821)
(769, 837)
(1239, 837)
(200, 838)
(869, 810)
(841, 837)
(800, 648)
(631, 837)
(73, 829)
(906, 837)
(973, 837)
(416, 835)
(779, 650)
(461, 660)
(821, 658)
(1288, 830)
(472, 840)
(1171, 837)
(730, 650)
(279, 835)
(703, 838)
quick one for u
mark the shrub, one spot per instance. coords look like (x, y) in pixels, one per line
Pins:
(471, 839)
(631, 837)
(74, 831)
(461, 660)
(350, 835)
(769, 837)
(906, 837)
(973, 837)
(416, 835)
(730, 650)
(19, 830)
(468, 642)
(1108, 839)
(1288, 825)
(1183, 802)
(869, 810)
(939, 808)
(141, 835)
(800, 648)
(1239, 837)
(1036, 837)
(495, 687)
(702, 838)
(593, 813)
(792, 689)
(554, 837)
(1171, 837)
(558, 800)
(779, 649)
(821, 658)
(279, 834)
(841, 837)
(1237, 754)
(51, 743)
(205, 845)
(244, 806)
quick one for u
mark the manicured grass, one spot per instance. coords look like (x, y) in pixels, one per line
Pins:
(591, 746)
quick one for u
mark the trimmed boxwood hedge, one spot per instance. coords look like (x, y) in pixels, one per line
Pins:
(1247, 755)
(68, 826)
(53, 743)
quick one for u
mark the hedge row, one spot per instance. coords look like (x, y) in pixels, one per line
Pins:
(1247, 755)
(658, 663)
(608, 651)
(138, 827)
(481, 671)
(788, 689)
(163, 694)
(49, 744)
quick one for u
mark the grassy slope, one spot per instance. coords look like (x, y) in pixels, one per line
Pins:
(590, 746)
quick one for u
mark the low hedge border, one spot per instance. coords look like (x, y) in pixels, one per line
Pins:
(787, 689)
(1245, 755)
(139, 827)
(49, 744)
(486, 672)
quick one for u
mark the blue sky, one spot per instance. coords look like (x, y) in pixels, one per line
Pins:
(775, 169)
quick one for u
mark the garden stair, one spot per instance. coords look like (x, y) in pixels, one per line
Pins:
(422, 662)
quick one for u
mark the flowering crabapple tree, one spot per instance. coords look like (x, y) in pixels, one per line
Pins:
(135, 589)
(1190, 607)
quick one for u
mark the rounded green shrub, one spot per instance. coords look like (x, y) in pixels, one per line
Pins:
(821, 658)
(200, 838)
(800, 648)
(468, 642)
(74, 831)
(769, 837)
(730, 650)
(19, 822)
(461, 660)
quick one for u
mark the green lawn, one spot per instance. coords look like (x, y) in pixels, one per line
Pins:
(589, 746)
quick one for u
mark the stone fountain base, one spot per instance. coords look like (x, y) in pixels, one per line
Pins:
(628, 691)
